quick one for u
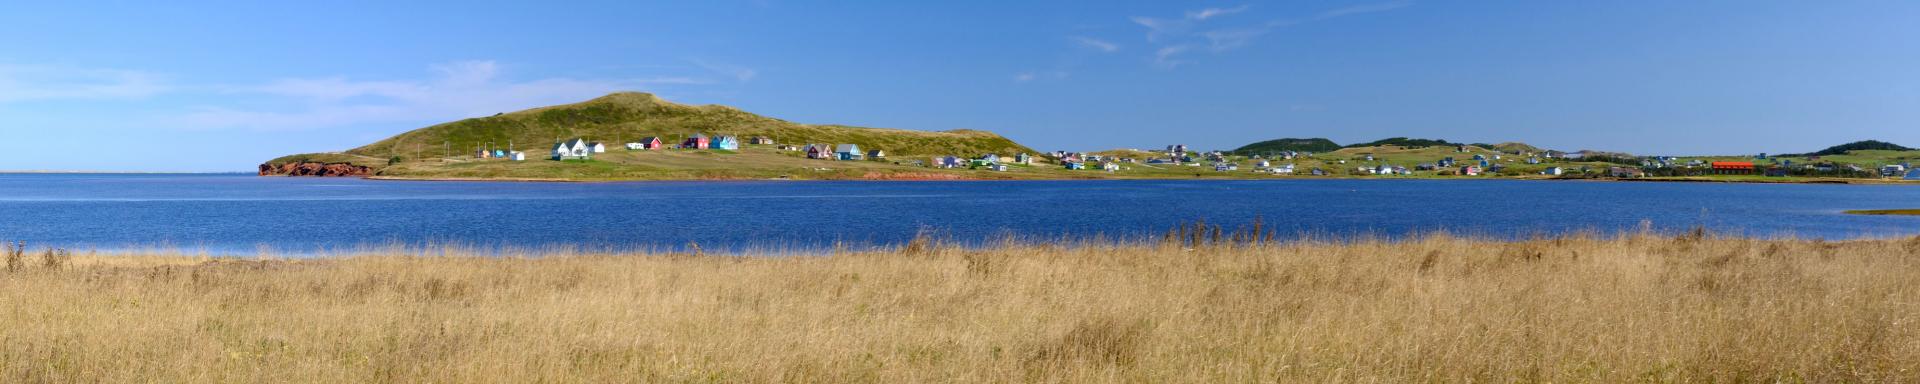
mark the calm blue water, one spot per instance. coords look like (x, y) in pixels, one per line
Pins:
(242, 214)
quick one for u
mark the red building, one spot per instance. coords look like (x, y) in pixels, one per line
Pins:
(651, 143)
(696, 142)
(1733, 167)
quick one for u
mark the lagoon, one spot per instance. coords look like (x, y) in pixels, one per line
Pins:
(243, 214)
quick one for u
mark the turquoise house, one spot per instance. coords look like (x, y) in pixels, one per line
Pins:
(849, 152)
(725, 142)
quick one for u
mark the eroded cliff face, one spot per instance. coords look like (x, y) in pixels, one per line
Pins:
(315, 169)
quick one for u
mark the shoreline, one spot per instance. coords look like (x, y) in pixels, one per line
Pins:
(1226, 178)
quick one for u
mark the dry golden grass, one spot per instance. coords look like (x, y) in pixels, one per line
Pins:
(1440, 308)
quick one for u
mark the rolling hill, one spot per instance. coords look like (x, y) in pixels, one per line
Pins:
(1288, 144)
(629, 116)
(1866, 145)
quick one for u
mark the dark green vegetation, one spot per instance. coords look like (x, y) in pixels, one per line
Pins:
(1515, 147)
(1405, 142)
(1315, 145)
(625, 117)
(1865, 145)
(1901, 212)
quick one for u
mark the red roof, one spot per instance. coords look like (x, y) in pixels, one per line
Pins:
(1740, 165)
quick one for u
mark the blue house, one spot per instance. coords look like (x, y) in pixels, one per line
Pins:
(725, 142)
(1076, 165)
(1913, 175)
(849, 152)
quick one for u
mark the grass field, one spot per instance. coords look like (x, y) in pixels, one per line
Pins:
(1639, 308)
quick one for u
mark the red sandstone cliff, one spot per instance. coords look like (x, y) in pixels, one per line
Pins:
(315, 169)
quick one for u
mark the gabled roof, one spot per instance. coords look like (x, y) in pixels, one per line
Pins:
(847, 148)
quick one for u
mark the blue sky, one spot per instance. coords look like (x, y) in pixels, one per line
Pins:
(156, 86)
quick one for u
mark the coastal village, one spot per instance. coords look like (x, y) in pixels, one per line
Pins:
(1384, 161)
(638, 136)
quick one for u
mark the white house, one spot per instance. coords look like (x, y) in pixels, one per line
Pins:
(517, 156)
(1554, 171)
(572, 149)
(597, 147)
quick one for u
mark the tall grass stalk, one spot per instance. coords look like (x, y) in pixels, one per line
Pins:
(1196, 307)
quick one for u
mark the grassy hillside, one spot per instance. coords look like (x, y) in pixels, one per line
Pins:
(623, 117)
(1516, 147)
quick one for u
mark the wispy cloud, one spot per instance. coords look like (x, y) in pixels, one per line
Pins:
(1029, 76)
(1213, 12)
(1177, 36)
(458, 89)
(1227, 39)
(40, 82)
(738, 73)
(1097, 44)
(1165, 56)
(1364, 8)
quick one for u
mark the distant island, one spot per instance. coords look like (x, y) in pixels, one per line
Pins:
(638, 136)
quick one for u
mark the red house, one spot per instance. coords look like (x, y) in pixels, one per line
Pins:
(1732, 167)
(651, 143)
(698, 141)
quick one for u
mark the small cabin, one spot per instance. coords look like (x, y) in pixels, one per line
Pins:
(725, 142)
(597, 147)
(849, 152)
(575, 149)
(649, 143)
(820, 152)
(760, 140)
(698, 141)
(876, 154)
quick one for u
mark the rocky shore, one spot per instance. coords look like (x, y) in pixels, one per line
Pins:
(315, 169)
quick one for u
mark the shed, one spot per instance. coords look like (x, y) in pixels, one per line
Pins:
(820, 151)
(572, 150)
(698, 141)
(849, 152)
(725, 142)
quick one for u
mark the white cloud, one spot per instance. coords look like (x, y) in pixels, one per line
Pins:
(1364, 8)
(35, 83)
(1030, 76)
(1165, 57)
(459, 89)
(1097, 44)
(1214, 12)
(1176, 36)
(738, 73)
(1223, 40)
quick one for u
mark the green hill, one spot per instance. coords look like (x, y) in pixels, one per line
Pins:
(1516, 147)
(1288, 144)
(1866, 145)
(629, 116)
(1405, 142)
